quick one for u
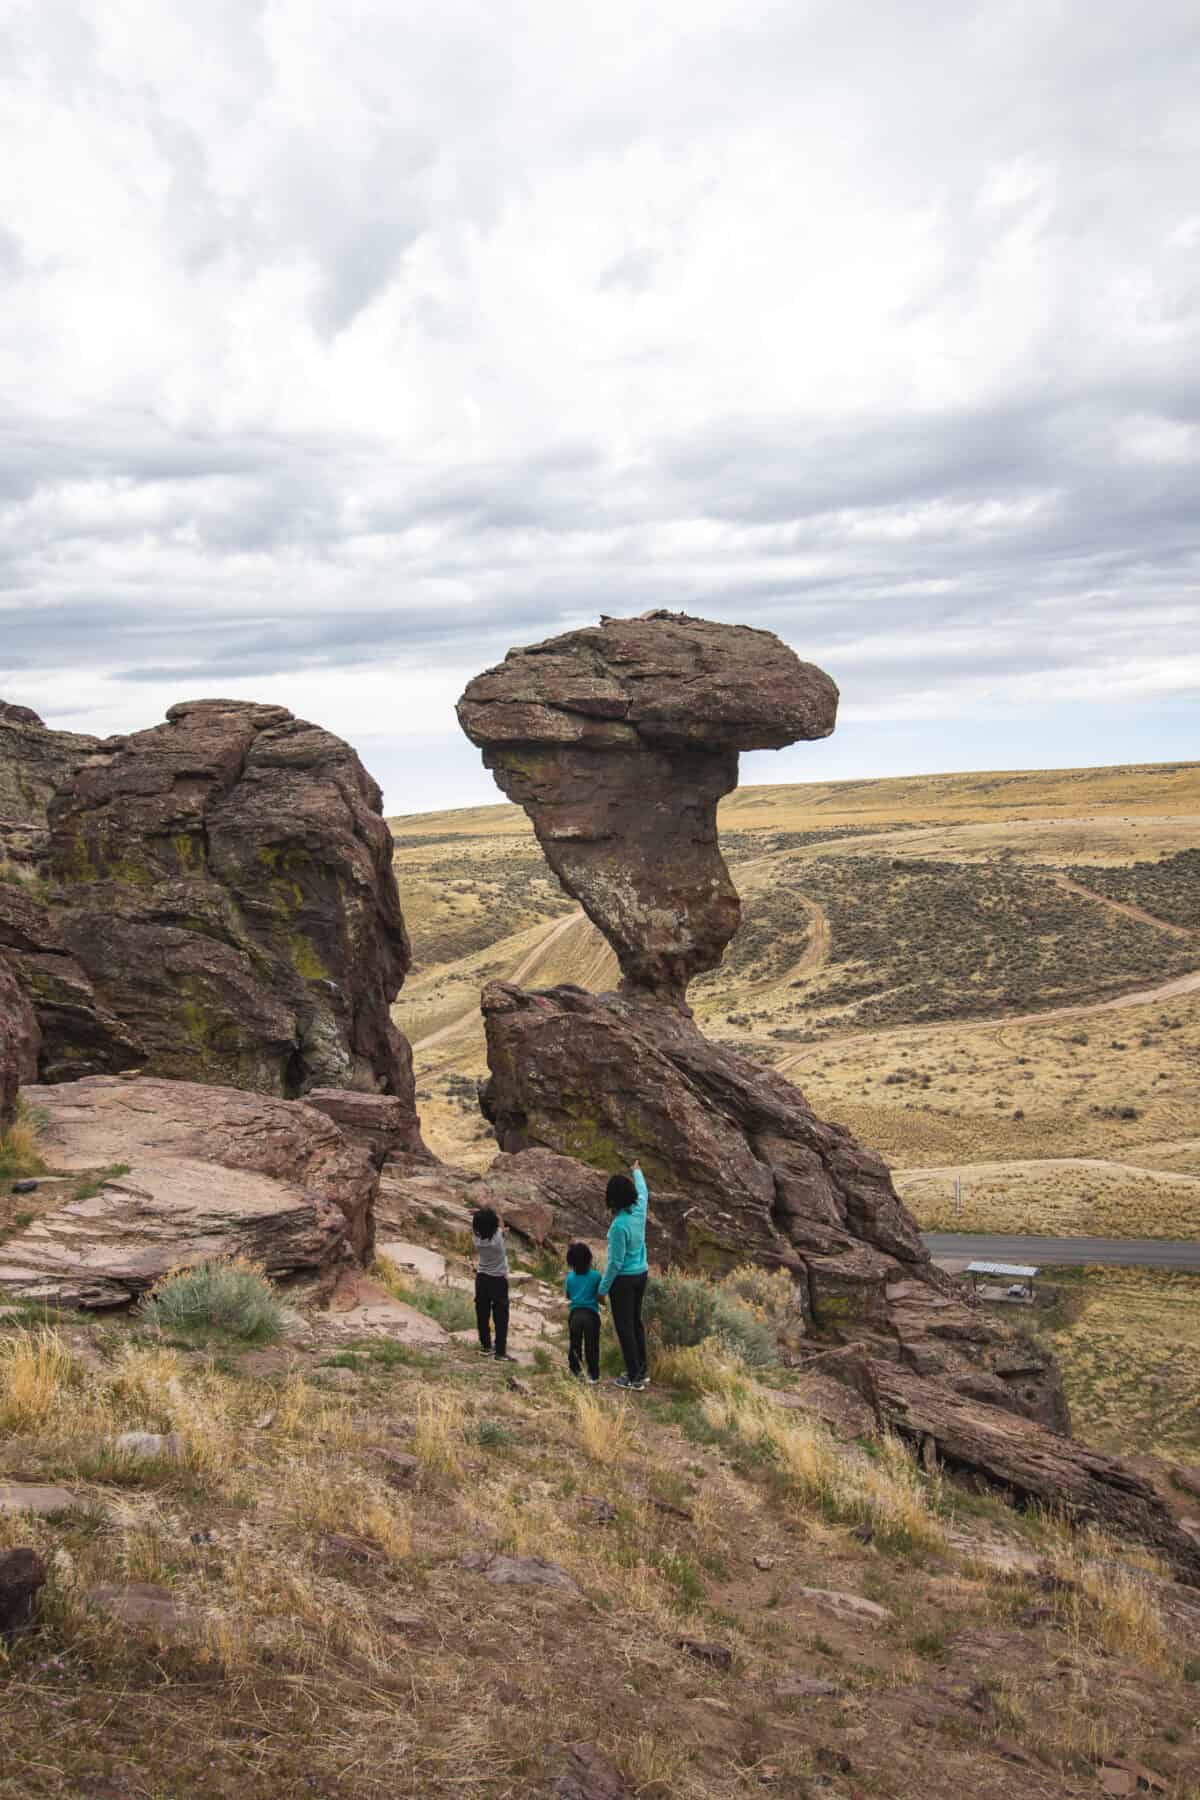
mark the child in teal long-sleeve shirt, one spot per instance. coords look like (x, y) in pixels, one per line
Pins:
(583, 1289)
(626, 1270)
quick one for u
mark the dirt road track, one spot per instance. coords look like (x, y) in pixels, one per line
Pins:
(1169, 990)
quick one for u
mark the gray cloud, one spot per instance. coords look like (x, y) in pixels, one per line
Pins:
(334, 351)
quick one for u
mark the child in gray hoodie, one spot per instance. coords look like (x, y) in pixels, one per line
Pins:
(491, 1284)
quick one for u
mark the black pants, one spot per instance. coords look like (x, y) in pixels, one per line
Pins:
(585, 1341)
(491, 1309)
(625, 1296)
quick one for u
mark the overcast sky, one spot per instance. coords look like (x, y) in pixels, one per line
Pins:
(343, 347)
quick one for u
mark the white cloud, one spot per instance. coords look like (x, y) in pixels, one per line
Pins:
(341, 348)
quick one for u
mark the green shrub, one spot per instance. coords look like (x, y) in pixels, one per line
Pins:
(682, 1310)
(232, 1296)
(679, 1309)
(751, 1337)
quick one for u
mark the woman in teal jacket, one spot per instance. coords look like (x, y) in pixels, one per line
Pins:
(626, 1271)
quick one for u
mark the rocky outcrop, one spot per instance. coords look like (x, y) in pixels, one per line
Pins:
(203, 1172)
(1033, 1465)
(18, 1043)
(618, 741)
(35, 763)
(741, 1170)
(215, 902)
(78, 1034)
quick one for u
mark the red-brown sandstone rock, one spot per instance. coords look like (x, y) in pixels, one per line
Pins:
(740, 1170)
(210, 1172)
(217, 903)
(18, 1042)
(618, 741)
(1032, 1464)
(34, 763)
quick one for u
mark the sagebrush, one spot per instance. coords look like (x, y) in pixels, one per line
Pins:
(232, 1296)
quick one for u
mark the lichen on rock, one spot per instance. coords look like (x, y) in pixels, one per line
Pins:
(216, 902)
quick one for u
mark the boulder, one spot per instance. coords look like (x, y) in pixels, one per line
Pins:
(217, 903)
(544, 1197)
(78, 1034)
(207, 1172)
(1032, 1464)
(740, 1169)
(618, 741)
(381, 1123)
(18, 1043)
(22, 1575)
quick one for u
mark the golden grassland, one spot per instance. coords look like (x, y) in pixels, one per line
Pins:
(335, 1643)
(1129, 1344)
(985, 1090)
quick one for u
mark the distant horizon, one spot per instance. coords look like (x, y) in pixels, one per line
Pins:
(1134, 766)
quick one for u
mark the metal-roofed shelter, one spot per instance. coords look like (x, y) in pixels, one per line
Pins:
(1017, 1272)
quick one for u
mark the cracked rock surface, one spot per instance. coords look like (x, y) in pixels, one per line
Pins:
(216, 902)
(207, 1172)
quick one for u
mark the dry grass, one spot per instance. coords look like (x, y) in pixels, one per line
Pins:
(1129, 1344)
(440, 1438)
(37, 1374)
(311, 1669)
(887, 1493)
(605, 1429)
(20, 1147)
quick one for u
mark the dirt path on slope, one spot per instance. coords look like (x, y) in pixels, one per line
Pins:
(555, 930)
(1168, 990)
(1047, 1165)
(1124, 907)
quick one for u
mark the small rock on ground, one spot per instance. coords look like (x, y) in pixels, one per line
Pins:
(32, 1497)
(806, 1687)
(587, 1774)
(145, 1607)
(844, 1606)
(22, 1573)
(150, 1446)
(717, 1656)
(520, 1571)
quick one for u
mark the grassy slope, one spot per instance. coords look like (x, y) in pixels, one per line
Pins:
(340, 1647)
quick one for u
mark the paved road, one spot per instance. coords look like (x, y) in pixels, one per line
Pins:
(955, 1250)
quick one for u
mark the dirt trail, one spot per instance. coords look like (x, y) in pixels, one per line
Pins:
(1168, 990)
(1125, 907)
(1047, 1165)
(816, 951)
(556, 929)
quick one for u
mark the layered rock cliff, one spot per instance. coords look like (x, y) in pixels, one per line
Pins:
(18, 1044)
(214, 901)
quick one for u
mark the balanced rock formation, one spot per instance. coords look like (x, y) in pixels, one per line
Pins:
(594, 735)
(216, 902)
(206, 1172)
(618, 741)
